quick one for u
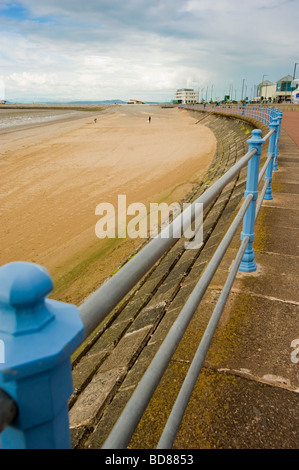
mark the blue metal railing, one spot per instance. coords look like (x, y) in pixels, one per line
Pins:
(261, 113)
(38, 335)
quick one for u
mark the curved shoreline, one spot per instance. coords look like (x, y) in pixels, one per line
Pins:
(62, 170)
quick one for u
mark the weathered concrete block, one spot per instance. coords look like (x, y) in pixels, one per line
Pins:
(127, 350)
(149, 317)
(84, 371)
(92, 400)
(104, 427)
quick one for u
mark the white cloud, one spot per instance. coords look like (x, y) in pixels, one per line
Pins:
(100, 49)
(24, 79)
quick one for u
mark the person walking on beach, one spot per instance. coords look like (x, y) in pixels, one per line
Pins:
(149, 119)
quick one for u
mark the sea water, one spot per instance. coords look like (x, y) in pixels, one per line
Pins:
(23, 117)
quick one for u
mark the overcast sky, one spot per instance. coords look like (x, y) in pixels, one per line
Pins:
(62, 50)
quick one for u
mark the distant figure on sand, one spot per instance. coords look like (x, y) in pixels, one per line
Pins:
(95, 120)
(149, 119)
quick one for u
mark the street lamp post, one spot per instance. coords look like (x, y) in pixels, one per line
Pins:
(265, 75)
(242, 88)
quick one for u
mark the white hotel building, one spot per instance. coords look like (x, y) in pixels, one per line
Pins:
(186, 96)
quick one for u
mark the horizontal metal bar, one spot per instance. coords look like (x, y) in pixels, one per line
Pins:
(266, 164)
(173, 423)
(132, 413)
(8, 410)
(269, 134)
(261, 198)
(104, 299)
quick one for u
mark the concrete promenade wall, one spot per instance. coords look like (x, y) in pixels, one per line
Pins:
(284, 106)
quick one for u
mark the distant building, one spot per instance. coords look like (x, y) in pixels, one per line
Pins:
(295, 93)
(279, 91)
(284, 88)
(186, 96)
(266, 90)
(135, 102)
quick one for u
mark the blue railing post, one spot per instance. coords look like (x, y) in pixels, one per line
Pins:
(279, 118)
(248, 264)
(271, 151)
(39, 336)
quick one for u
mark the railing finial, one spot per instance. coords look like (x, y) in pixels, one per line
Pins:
(39, 336)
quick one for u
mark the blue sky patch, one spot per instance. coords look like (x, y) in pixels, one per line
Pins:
(16, 11)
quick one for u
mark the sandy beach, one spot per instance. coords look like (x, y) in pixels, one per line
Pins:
(54, 175)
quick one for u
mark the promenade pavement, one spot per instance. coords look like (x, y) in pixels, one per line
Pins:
(247, 393)
(290, 124)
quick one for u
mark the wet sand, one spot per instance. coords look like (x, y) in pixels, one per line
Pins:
(53, 176)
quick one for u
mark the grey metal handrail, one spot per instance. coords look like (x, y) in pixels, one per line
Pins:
(263, 170)
(171, 428)
(126, 424)
(122, 431)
